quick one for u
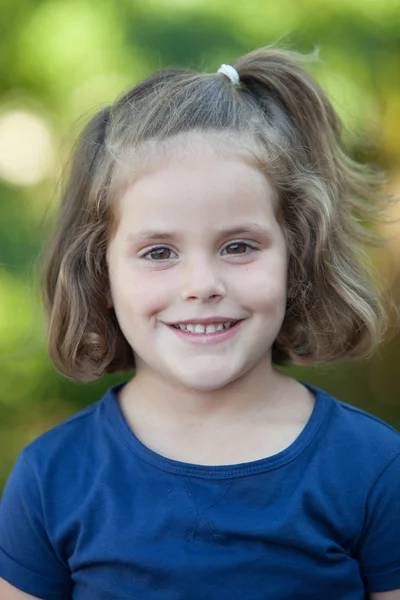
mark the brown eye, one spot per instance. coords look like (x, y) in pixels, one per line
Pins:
(159, 254)
(238, 248)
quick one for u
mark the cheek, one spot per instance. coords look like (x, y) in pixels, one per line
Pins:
(265, 285)
(139, 293)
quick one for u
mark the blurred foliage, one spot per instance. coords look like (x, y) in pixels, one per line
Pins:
(60, 60)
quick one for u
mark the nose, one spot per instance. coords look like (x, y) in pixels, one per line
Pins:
(202, 280)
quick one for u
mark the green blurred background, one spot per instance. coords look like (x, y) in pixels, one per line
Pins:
(62, 60)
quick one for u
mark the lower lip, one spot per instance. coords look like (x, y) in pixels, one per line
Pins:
(209, 338)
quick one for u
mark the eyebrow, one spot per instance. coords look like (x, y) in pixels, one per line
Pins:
(152, 235)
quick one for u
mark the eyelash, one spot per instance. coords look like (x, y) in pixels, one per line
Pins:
(161, 260)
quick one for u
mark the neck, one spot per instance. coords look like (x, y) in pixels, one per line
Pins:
(159, 401)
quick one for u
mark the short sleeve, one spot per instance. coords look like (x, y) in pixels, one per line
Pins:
(379, 546)
(27, 559)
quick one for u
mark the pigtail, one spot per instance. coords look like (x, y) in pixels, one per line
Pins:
(83, 334)
(277, 75)
(328, 203)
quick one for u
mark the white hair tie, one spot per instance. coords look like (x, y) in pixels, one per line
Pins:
(230, 72)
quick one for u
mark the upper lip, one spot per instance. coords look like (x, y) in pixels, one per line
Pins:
(204, 321)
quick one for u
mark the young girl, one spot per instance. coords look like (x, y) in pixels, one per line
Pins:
(208, 233)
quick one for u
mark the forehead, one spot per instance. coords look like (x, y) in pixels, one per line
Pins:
(134, 163)
(196, 178)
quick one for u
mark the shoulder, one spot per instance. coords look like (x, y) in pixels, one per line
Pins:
(365, 427)
(71, 442)
(48, 486)
(59, 481)
(70, 432)
(352, 478)
(357, 437)
(359, 425)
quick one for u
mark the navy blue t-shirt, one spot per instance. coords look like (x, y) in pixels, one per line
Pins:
(90, 513)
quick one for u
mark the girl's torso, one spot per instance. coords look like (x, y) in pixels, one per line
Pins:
(125, 522)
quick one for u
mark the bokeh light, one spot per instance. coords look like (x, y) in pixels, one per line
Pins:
(26, 148)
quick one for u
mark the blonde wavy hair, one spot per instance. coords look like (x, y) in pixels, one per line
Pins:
(327, 202)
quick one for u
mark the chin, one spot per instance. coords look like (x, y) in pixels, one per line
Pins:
(206, 381)
(204, 386)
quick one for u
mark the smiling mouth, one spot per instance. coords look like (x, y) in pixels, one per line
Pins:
(212, 328)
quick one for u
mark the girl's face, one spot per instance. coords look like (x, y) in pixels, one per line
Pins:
(198, 243)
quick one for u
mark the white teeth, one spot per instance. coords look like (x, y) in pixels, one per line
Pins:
(201, 329)
(211, 329)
